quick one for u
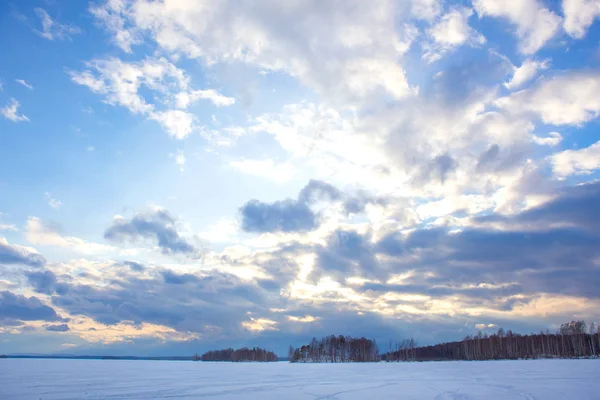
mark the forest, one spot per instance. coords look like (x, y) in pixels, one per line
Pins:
(336, 349)
(573, 340)
(255, 354)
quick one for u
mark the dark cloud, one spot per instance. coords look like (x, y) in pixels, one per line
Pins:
(296, 215)
(495, 159)
(577, 206)
(391, 244)
(58, 328)
(178, 279)
(488, 157)
(45, 282)
(10, 254)
(281, 216)
(156, 224)
(479, 262)
(477, 267)
(347, 254)
(135, 266)
(317, 190)
(182, 301)
(16, 306)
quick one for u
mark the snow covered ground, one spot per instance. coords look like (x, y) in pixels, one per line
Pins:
(96, 379)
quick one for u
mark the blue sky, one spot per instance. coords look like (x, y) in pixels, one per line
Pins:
(179, 175)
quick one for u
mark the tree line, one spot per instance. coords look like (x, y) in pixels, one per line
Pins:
(240, 355)
(572, 340)
(336, 349)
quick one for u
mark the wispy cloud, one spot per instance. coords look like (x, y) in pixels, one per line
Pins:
(53, 202)
(10, 112)
(22, 82)
(52, 29)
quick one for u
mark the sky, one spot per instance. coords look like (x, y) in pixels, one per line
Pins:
(182, 175)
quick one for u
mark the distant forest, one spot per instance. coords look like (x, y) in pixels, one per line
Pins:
(336, 349)
(572, 340)
(240, 355)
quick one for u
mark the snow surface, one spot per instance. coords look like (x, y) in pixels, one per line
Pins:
(113, 379)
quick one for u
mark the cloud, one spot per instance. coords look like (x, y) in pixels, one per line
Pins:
(52, 202)
(568, 99)
(450, 32)
(353, 42)
(527, 71)
(25, 308)
(22, 82)
(122, 83)
(496, 268)
(536, 25)
(135, 266)
(14, 254)
(45, 282)
(156, 224)
(172, 278)
(166, 298)
(582, 161)
(179, 124)
(437, 169)
(316, 190)
(296, 215)
(179, 159)
(280, 216)
(51, 29)
(42, 234)
(579, 15)
(8, 227)
(108, 15)
(553, 139)
(184, 99)
(426, 9)
(57, 328)
(10, 112)
(347, 254)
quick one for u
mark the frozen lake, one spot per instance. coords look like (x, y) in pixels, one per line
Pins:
(111, 379)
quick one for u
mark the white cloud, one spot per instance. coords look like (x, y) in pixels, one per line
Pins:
(22, 82)
(536, 25)
(564, 100)
(52, 202)
(52, 29)
(321, 45)
(10, 112)
(177, 123)
(184, 99)
(179, 159)
(579, 15)
(583, 161)
(426, 9)
(109, 15)
(527, 71)
(267, 168)
(8, 227)
(553, 139)
(122, 83)
(39, 234)
(451, 31)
